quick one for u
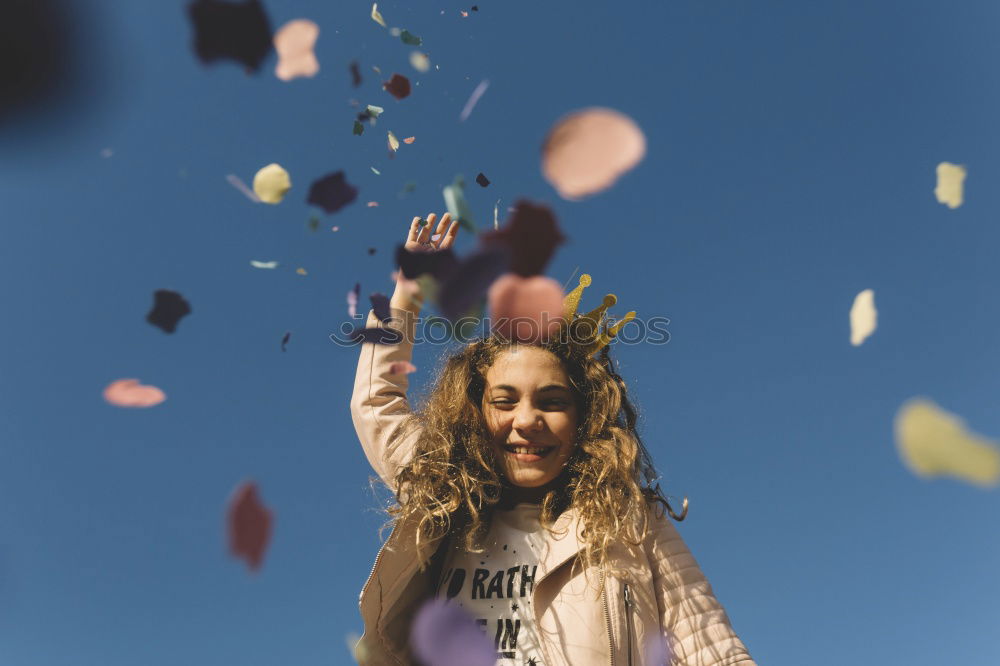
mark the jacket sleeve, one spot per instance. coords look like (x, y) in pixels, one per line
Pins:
(379, 407)
(697, 628)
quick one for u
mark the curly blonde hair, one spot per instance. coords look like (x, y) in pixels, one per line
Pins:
(451, 485)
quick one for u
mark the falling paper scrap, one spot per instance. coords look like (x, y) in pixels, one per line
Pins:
(235, 181)
(473, 98)
(271, 183)
(355, 74)
(359, 129)
(352, 300)
(237, 31)
(454, 199)
(284, 340)
(532, 235)
(443, 634)
(249, 525)
(482, 179)
(301, 271)
(380, 306)
(393, 142)
(864, 317)
(332, 192)
(419, 61)
(409, 139)
(950, 184)
(408, 37)
(130, 393)
(377, 17)
(398, 86)
(263, 264)
(402, 368)
(587, 151)
(526, 309)
(294, 43)
(168, 309)
(933, 442)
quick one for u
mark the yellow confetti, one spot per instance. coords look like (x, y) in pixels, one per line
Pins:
(950, 184)
(419, 61)
(933, 442)
(393, 142)
(864, 317)
(301, 271)
(378, 17)
(271, 184)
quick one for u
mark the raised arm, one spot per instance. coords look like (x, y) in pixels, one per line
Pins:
(697, 627)
(379, 407)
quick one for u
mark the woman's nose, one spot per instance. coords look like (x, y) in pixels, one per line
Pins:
(527, 417)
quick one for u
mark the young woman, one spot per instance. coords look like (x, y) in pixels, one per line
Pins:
(522, 495)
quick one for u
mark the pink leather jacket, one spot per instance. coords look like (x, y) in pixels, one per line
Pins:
(657, 590)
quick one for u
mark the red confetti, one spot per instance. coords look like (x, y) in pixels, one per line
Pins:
(409, 139)
(398, 86)
(250, 524)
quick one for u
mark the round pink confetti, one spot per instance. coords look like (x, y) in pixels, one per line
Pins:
(525, 309)
(335, 229)
(587, 151)
(130, 393)
(372, 204)
(402, 368)
(294, 43)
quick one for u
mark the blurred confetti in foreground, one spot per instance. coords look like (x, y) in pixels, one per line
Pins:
(249, 524)
(526, 309)
(294, 43)
(864, 317)
(235, 181)
(357, 649)
(402, 368)
(587, 151)
(271, 183)
(228, 30)
(442, 634)
(933, 442)
(130, 393)
(950, 184)
(169, 308)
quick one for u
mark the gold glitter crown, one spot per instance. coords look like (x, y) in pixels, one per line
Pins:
(598, 338)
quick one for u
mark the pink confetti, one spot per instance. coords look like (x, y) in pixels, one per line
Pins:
(249, 524)
(476, 94)
(352, 300)
(402, 368)
(130, 393)
(294, 43)
(334, 228)
(372, 204)
(525, 309)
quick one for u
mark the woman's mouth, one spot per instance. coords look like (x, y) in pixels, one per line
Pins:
(528, 453)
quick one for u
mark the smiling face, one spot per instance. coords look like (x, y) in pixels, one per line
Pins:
(532, 415)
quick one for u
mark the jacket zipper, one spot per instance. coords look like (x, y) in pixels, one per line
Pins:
(607, 617)
(628, 622)
(374, 566)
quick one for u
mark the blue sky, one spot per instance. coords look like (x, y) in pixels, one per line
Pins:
(791, 157)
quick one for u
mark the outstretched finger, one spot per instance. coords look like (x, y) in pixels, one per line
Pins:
(414, 230)
(449, 238)
(425, 232)
(442, 227)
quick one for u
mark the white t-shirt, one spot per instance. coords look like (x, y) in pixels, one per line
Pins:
(495, 586)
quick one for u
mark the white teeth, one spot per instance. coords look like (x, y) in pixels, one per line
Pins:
(525, 449)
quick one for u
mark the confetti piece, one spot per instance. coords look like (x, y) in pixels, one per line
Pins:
(377, 17)
(378, 336)
(235, 181)
(525, 309)
(864, 317)
(471, 104)
(249, 525)
(313, 223)
(468, 283)
(496, 215)
(284, 340)
(393, 142)
(419, 61)
(352, 300)
(372, 204)
(454, 199)
(130, 393)
(271, 183)
(294, 43)
(355, 74)
(933, 442)
(375, 171)
(482, 179)
(398, 86)
(263, 264)
(950, 184)
(107, 153)
(587, 151)
(656, 650)
(532, 236)
(376, 69)
(444, 635)
(374, 111)
(371, 251)
(334, 228)
(409, 139)
(408, 37)
(332, 192)
(380, 305)
(301, 271)
(464, 13)
(168, 309)
(402, 368)
(414, 264)
(234, 31)
(359, 129)
(359, 651)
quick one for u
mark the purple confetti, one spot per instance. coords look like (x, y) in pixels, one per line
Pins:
(476, 94)
(444, 635)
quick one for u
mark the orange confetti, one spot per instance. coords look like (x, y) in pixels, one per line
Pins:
(409, 139)
(464, 14)
(130, 393)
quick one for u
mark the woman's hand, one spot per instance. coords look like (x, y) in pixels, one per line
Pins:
(422, 238)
